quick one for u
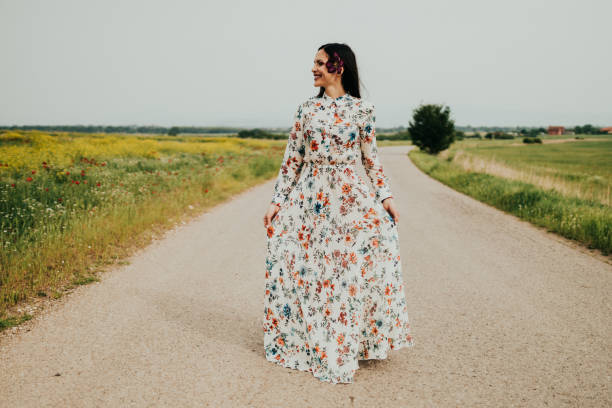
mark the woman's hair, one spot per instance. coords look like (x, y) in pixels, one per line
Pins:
(350, 74)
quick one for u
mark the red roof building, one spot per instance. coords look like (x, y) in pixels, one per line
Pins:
(606, 129)
(556, 130)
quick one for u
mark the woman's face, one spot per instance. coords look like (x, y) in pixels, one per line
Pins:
(319, 70)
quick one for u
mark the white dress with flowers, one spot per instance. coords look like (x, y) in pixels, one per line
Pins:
(334, 292)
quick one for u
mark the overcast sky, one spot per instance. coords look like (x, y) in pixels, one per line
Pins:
(247, 63)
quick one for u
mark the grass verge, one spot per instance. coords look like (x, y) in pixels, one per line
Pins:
(588, 222)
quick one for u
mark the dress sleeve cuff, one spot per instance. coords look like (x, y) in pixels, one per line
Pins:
(381, 195)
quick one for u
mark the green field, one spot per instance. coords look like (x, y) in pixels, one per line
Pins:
(579, 168)
(562, 184)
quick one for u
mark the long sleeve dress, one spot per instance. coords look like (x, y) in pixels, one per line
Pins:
(334, 292)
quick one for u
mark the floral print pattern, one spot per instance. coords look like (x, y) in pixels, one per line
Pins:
(334, 292)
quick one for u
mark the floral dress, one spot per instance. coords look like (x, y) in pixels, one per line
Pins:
(334, 292)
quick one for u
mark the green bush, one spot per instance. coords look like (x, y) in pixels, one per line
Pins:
(260, 134)
(431, 128)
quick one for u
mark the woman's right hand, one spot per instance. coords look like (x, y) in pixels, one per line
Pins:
(270, 214)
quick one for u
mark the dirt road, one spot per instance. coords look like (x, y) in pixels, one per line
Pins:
(503, 314)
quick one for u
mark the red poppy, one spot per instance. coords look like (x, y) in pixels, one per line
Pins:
(29, 179)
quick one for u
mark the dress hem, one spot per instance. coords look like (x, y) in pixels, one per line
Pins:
(384, 356)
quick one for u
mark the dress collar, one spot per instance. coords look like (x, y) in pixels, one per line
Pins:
(338, 100)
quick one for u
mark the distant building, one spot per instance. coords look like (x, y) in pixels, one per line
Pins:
(556, 130)
(607, 129)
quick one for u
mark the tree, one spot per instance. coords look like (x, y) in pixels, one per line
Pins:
(587, 129)
(533, 133)
(431, 128)
(173, 131)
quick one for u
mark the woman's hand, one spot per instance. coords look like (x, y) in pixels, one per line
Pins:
(389, 205)
(272, 210)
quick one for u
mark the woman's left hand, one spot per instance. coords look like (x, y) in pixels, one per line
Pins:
(389, 205)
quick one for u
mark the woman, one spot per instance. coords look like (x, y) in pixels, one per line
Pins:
(334, 292)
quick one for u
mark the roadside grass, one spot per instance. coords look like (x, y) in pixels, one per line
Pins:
(574, 168)
(73, 204)
(564, 187)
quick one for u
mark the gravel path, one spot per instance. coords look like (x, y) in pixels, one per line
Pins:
(503, 314)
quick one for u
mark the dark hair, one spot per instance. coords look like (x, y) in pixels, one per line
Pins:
(350, 74)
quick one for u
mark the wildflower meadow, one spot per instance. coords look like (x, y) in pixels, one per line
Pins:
(71, 203)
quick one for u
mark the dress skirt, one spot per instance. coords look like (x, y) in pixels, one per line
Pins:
(334, 292)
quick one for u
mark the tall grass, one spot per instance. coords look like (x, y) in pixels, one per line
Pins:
(580, 169)
(508, 180)
(70, 203)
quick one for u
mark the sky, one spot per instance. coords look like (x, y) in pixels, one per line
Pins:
(248, 63)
